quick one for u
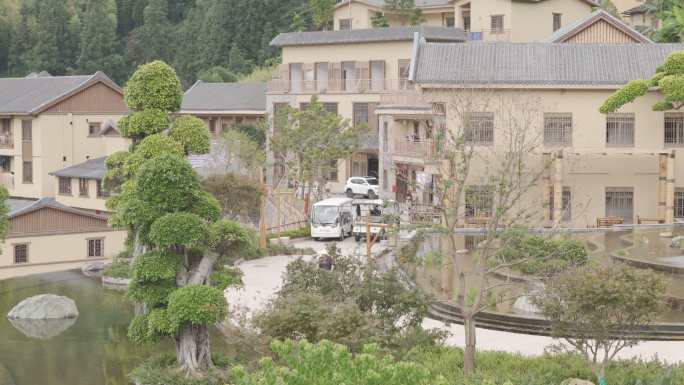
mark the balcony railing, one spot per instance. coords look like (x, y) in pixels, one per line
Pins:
(415, 148)
(338, 86)
(6, 141)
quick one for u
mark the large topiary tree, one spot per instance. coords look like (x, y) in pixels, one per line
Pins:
(152, 94)
(181, 245)
(668, 79)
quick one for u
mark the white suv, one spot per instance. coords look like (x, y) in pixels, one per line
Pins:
(362, 185)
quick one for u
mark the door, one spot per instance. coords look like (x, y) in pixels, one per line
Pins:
(373, 167)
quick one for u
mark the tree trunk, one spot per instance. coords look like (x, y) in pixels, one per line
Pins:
(469, 353)
(193, 352)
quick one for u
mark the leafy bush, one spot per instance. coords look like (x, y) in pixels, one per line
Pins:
(154, 86)
(238, 196)
(197, 304)
(119, 268)
(508, 368)
(191, 133)
(539, 255)
(142, 123)
(178, 229)
(303, 232)
(352, 304)
(280, 249)
(326, 363)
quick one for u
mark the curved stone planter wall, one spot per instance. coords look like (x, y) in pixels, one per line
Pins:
(642, 264)
(115, 283)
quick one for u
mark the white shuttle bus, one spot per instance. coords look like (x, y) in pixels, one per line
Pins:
(332, 218)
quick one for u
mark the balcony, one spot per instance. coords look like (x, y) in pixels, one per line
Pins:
(337, 86)
(6, 140)
(425, 149)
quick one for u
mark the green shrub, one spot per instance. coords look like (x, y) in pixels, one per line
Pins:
(303, 232)
(119, 268)
(279, 249)
(154, 86)
(197, 304)
(191, 133)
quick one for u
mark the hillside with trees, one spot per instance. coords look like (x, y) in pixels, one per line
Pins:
(223, 39)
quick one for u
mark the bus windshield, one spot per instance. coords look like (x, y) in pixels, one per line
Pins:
(325, 215)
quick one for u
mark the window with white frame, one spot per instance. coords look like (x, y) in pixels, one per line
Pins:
(95, 247)
(620, 130)
(21, 253)
(497, 23)
(674, 129)
(64, 186)
(679, 203)
(558, 129)
(620, 203)
(345, 24)
(479, 128)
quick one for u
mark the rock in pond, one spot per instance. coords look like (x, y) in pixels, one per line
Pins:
(676, 241)
(44, 306)
(93, 267)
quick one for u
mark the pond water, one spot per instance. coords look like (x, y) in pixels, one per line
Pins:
(94, 350)
(638, 244)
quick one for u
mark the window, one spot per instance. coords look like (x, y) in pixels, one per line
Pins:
(465, 14)
(479, 129)
(620, 130)
(385, 137)
(330, 108)
(674, 129)
(345, 24)
(94, 128)
(360, 113)
(6, 139)
(21, 253)
(404, 67)
(65, 186)
(332, 172)
(557, 21)
(557, 129)
(449, 20)
(27, 171)
(26, 131)
(101, 191)
(211, 123)
(479, 202)
(497, 23)
(620, 203)
(83, 187)
(95, 247)
(567, 204)
(5, 163)
(679, 204)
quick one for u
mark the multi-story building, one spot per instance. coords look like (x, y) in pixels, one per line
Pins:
(51, 122)
(348, 71)
(486, 20)
(626, 164)
(643, 16)
(221, 105)
(598, 27)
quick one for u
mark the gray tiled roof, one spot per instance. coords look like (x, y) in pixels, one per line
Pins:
(369, 35)
(90, 169)
(583, 22)
(51, 203)
(641, 8)
(17, 204)
(539, 63)
(225, 97)
(35, 92)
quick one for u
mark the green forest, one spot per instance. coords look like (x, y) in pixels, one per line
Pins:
(217, 39)
(214, 40)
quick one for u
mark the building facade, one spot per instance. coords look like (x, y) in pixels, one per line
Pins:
(483, 20)
(625, 165)
(348, 71)
(51, 122)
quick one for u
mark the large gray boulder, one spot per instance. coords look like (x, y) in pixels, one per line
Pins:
(677, 241)
(44, 306)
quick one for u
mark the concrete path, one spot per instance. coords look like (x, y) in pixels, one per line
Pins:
(262, 278)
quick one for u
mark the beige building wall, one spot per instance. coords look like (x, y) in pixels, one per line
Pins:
(589, 164)
(534, 21)
(623, 5)
(89, 202)
(58, 252)
(58, 141)
(360, 14)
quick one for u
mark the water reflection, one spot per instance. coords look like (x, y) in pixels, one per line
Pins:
(42, 328)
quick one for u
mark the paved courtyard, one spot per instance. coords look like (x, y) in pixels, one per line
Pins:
(262, 278)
